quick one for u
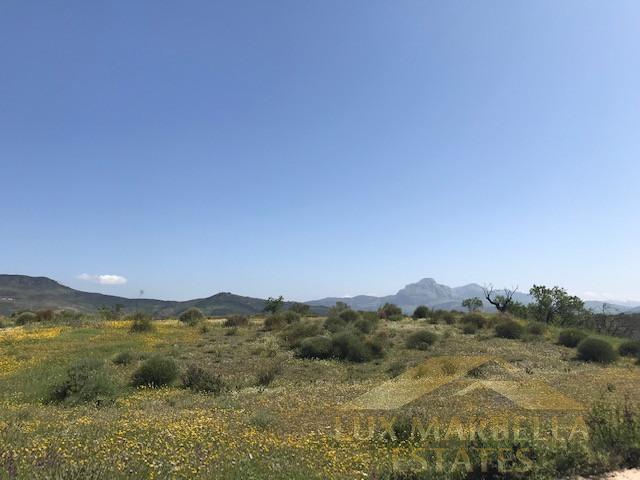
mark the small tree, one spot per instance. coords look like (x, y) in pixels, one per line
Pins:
(273, 305)
(472, 304)
(389, 310)
(192, 316)
(421, 311)
(501, 302)
(301, 309)
(553, 304)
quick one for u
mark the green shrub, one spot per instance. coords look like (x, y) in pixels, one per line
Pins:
(347, 345)
(396, 318)
(267, 374)
(156, 372)
(469, 328)
(349, 315)
(86, 381)
(376, 345)
(25, 318)
(389, 310)
(571, 337)
(421, 311)
(191, 316)
(201, 379)
(141, 322)
(536, 328)
(236, 321)
(366, 325)
(273, 322)
(449, 318)
(281, 319)
(334, 324)
(4, 323)
(296, 332)
(630, 348)
(596, 350)
(124, 358)
(421, 340)
(290, 317)
(509, 329)
(476, 319)
(316, 347)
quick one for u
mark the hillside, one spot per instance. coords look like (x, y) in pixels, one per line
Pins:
(21, 292)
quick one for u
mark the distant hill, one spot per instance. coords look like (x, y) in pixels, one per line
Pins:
(21, 292)
(435, 295)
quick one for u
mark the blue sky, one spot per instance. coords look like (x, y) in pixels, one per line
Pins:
(313, 148)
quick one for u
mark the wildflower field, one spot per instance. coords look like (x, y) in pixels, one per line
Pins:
(299, 423)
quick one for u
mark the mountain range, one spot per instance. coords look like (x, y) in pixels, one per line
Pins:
(435, 295)
(21, 292)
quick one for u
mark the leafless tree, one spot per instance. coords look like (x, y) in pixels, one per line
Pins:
(502, 301)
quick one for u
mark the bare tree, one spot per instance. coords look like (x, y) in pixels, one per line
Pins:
(502, 301)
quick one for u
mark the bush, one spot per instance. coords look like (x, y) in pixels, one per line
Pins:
(296, 332)
(349, 346)
(596, 350)
(376, 345)
(396, 368)
(571, 337)
(85, 381)
(449, 318)
(469, 328)
(421, 340)
(349, 315)
(536, 328)
(45, 315)
(476, 319)
(25, 318)
(334, 324)
(267, 374)
(156, 372)
(316, 347)
(421, 312)
(630, 348)
(191, 316)
(141, 322)
(280, 319)
(389, 310)
(273, 322)
(300, 308)
(236, 321)
(366, 325)
(123, 358)
(200, 379)
(509, 329)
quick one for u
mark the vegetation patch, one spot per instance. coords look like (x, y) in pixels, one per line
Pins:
(571, 337)
(596, 350)
(86, 381)
(155, 372)
(509, 329)
(421, 340)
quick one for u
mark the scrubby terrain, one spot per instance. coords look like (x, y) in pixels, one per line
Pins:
(278, 398)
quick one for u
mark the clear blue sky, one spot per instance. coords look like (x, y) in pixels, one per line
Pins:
(313, 148)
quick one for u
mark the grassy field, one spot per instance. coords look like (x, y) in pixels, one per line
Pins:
(296, 425)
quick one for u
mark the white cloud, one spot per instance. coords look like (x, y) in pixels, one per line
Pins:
(103, 279)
